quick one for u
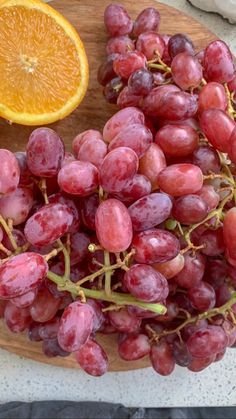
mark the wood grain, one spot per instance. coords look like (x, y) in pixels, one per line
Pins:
(87, 17)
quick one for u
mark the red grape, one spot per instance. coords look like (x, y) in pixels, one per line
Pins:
(171, 314)
(153, 102)
(218, 62)
(25, 300)
(92, 358)
(135, 189)
(150, 44)
(16, 319)
(93, 152)
(19, 238)
(134, 347)
(113, 89)
(210, 196)
(76, 326)
(216, 271)
(217, 127)
(117, 20)
(147, 20)
(88, 210)
(45, 152)
(59, 198)
(177, 140)
(146, 284)
(21, 274)
(207, 159)
(48, 224)
(154, 246)
(186, 71)
(113, 226)
(51, 348)
(141, 82)
(68, 157)
(189, 209)
(25, 175)
(17, 205)
(125, 64)
(135, 136)
(99, 317)
(212, 96)
(170, 268)
(10, 172)
(150, 211)
(232, 84)
(152, 163)
(49, 329)
(180, 179)
(128, 98)
(232, 146)
(207, 342)
(84, 136)
(119, 45)
(127, 116)
(199, 364)
(78, 178)
(45, 306)
(213, 242)
(141, 312)
(229, 226)
(118, 168)
(191, 328)
(79, 247)
(181, 354)
(192, 272)
(223, 295)
(180, 43)
(202, 296)
(124, 321)
(104, 75)
(162, 358)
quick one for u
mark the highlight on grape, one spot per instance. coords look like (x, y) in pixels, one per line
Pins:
(133, 233)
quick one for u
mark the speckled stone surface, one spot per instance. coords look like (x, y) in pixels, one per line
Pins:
(25, 380)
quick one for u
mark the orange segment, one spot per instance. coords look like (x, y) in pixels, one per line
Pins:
(43, 64)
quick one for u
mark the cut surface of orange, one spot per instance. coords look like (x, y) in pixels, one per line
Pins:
(43, 64)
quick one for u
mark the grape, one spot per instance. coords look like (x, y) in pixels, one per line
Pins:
(78, 178)
(113, 89)
(105, 74)
(64, 200)
(88, 210)
(150, 44)
(113, 226)
(212, 96)
(141, 82)
(153, 102)
(25, 300)
(152, 163)
(207, 159)
(99, 317)
(125, 64)
(45, 152)
(92, 358)
(128, 98)
(25, 175)
(118, 168)
(16, 319)
(199, 364)
(232, 146)
(124, 321)
(146, 284)
(154, 246)
(19, 238)
(192, 272)
(210, 196)
(150, 211)
(2, 308)
(158, 79)
(171, 314)
(119, 45)
(213, 242)
(170, 268)
(191, 328)
(222, 295)
(232, 84)
(180, 179)
(202, 296)
(76, 326)
(44, 307)
(162, 358)
(229, 226)
(220, 356)
(17, 205)
(147, 20)
(1, 234)
(141, 312)
(207, 341)
(186, 71)
(135, 189)
(215, 273)
(177, 140)
(84, 136)
(79, 243)
(217, 52)
(181, 354)
(68, 158)
(51, 348)
(124, 117)
(230, 331)
(117, 20)
(134, 347)
(217, 127)
(49, 329)
(180, 43)
(189, 209)
(93, 152)
(48, 224)
(10, 172)
(21, 274)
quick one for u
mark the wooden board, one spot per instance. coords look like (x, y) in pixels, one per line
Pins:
(87, 17)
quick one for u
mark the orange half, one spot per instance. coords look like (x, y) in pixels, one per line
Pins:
(43, 64)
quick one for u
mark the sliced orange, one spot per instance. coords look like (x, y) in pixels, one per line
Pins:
(43, 64)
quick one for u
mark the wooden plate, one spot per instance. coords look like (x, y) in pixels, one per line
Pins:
(87, 17)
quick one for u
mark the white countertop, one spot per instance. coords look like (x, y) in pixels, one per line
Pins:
(25, 380)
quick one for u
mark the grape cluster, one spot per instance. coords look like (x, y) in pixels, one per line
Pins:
(133, 232)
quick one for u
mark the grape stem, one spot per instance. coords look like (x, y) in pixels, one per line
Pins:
(206, 315)
(231, 110)
(119, 299)
(8, 231)
(108, 274)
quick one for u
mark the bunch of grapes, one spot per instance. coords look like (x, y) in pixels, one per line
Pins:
(133, 233)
